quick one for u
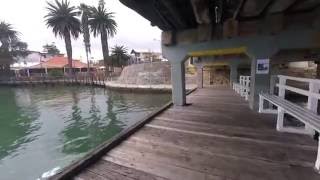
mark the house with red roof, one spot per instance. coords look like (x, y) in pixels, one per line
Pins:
(57, 63)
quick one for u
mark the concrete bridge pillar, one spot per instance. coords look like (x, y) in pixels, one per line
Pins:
(200, 76)
(260, 75)
(178, 83)
(233, 72)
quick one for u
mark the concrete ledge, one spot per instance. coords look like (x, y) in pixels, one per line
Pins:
(161, 88)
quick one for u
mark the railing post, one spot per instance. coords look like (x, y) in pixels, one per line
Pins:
(312, 103)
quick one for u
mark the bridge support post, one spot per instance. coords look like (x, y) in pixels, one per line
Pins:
(233, 72)
(178, 83)
(260, 73)
(200, 76)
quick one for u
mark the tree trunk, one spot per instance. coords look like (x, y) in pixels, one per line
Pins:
(67, 40)
(105, 50)
(88, 62)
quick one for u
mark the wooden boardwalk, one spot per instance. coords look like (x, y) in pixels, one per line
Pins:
(216, 137)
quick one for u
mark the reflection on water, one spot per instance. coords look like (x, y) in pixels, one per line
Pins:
(42, 128)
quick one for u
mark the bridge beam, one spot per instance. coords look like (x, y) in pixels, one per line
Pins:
(255, 47)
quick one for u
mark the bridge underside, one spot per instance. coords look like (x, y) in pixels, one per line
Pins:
(216, 137)
(213, 29)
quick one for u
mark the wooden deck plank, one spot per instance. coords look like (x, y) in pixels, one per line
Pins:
(88, 175)
(217, 137)
(155, 168)
(114, 171)
(224, 167)
(263, 134)
(255, 149)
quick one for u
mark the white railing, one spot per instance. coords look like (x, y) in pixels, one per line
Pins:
(243, 87)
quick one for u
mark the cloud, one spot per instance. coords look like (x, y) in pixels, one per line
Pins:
(27, 17)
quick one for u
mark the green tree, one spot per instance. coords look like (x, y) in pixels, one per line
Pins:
(62, 18)
(102, 22)
(119, 55)
(51, 49)
(85, 14)
(11, 47)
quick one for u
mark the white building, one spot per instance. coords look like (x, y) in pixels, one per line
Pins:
(145, 56)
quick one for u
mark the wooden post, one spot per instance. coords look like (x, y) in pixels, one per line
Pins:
(312, 103)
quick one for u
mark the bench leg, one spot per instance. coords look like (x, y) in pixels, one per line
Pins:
(309, 130)
(261, 100)
(280, 118)
(317, 166)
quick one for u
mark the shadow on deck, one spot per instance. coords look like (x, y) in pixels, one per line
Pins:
(217, 137)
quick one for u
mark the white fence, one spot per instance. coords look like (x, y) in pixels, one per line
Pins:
(243, 87)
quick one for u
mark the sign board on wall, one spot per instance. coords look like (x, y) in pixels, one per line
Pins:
(263, 66)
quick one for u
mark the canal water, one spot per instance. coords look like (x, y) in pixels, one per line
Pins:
(42, 128)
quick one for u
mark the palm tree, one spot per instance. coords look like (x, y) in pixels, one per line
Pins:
(85, 14)
(7, 35)
(10, 47)
(120, 53)
(102, 22)
(62, 19)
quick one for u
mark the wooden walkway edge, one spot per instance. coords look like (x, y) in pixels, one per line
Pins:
(93, 156)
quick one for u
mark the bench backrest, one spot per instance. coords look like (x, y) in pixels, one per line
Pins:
(312, 93)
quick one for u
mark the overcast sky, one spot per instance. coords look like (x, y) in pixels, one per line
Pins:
(27, 17)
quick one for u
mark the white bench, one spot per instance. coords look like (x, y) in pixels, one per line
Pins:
(306, 115)
(243, 87)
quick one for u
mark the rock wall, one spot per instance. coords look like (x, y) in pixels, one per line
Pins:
(216, 75)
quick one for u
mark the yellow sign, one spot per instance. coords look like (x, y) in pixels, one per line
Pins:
(217, 52)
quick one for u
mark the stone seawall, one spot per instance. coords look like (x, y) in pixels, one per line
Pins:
(147, 73)
(150, 74)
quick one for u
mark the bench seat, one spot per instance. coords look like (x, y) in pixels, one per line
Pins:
(301, 113)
